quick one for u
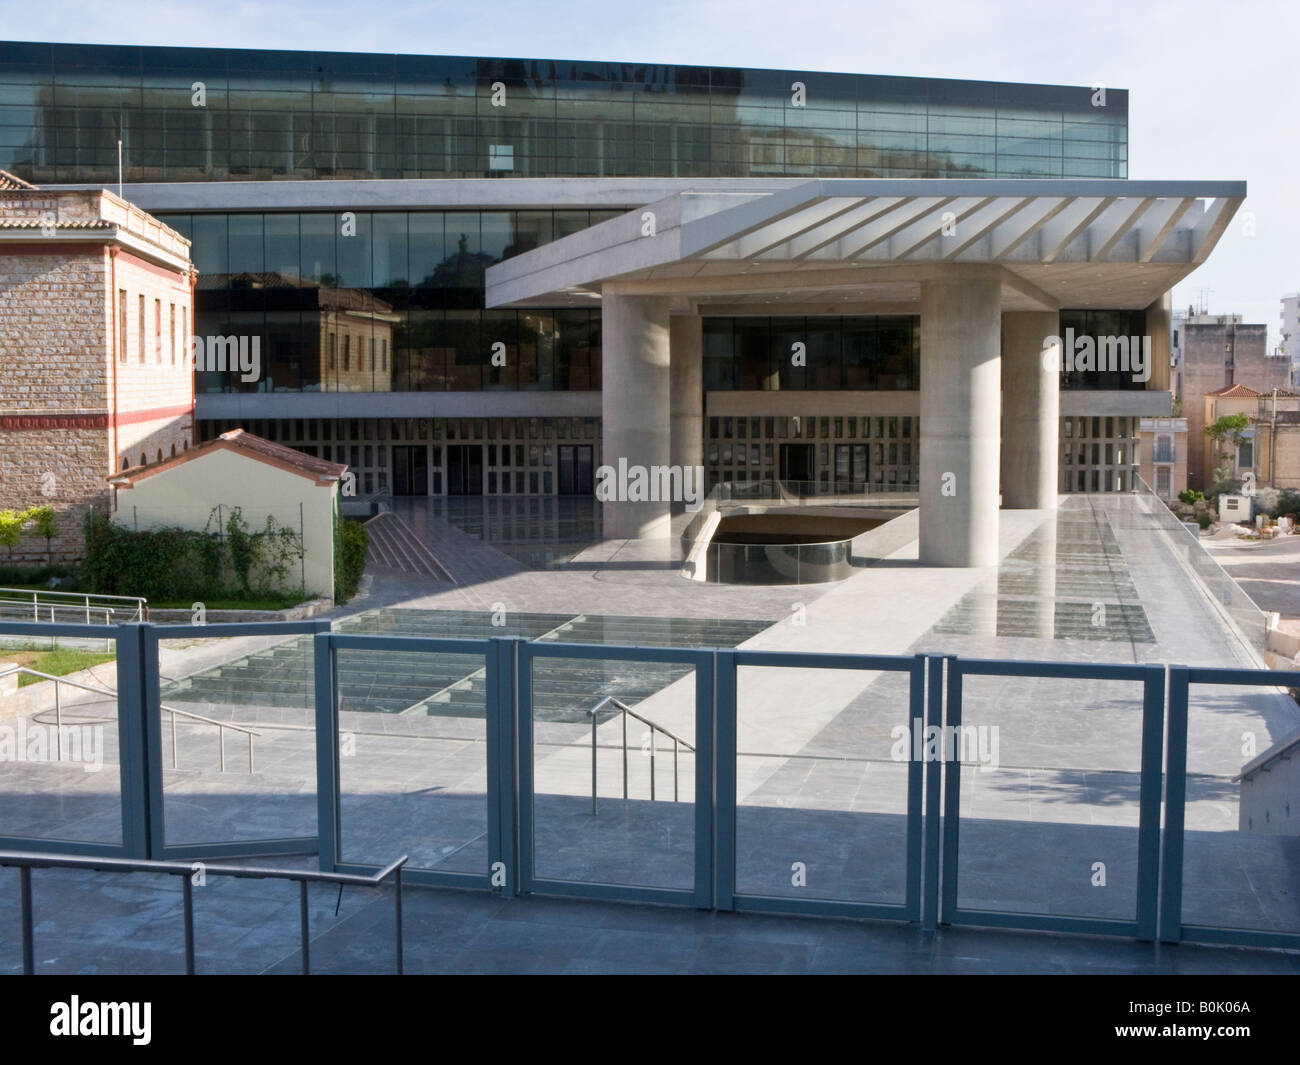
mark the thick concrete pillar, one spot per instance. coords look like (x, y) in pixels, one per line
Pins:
(635, 412)
(1031, 412)
(686, 390)
(1159, 325)
(961, 384)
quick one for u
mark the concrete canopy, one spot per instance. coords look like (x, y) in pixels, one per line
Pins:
(829, 246)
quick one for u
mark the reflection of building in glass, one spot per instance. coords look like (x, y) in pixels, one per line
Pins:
(207, 114)
(310, 337)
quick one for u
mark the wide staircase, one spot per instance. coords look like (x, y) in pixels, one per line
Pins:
(434, 684)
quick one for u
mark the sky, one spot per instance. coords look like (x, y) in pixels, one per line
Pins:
(1213, 87)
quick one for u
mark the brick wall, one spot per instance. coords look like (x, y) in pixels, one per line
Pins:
(77, 394)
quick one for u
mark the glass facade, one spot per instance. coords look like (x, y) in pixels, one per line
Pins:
(1097, 324)
(868, 353)
(208, 114)
(380, 302)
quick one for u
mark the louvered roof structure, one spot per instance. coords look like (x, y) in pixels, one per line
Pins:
(1075, 243)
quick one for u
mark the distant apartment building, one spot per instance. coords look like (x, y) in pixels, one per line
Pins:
(1222, 403)
(1177, 324)
(1219, 351)
(1163, 449)
(1277, 440)
(1289, 349)
(96, 301)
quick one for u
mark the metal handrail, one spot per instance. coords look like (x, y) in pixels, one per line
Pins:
(141, 604)
(627, 712)
(58, 715)
(25, 862)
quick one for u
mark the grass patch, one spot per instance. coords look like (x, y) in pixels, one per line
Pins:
(270, 603)
(59, 662)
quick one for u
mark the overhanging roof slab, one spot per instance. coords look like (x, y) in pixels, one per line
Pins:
(1058, 242)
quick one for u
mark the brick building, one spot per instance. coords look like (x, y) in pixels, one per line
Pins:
(96, 301)
(1217, 352)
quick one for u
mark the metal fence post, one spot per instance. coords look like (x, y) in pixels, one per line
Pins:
(950, 726)
(724, 679)
(1171, 902)
(328, 829)
(915, 789)
(502, 663)
(933, 784)
(1148, 870)
(151, 716)
(133, 740)
(705, 814)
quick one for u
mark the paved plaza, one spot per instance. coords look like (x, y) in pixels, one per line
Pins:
(1050, 792)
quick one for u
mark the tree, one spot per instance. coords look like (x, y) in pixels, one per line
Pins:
(11, 529)
(1230, 427)
(45, 524)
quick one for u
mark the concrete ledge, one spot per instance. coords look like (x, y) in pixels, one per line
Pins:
(884, 540)
(309, 609)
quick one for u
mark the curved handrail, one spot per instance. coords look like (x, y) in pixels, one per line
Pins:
(174, 711)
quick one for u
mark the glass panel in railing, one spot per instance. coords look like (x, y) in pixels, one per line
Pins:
(821, 802)
(60, 771)
(237, 723)
(627, 818)
(413, 758)
(1241, 845)
(1050, 781)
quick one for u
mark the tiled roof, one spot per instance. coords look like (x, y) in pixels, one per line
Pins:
(286, 458)
(285, 455)
(12, 182)
(1234, 392)
(37, 223)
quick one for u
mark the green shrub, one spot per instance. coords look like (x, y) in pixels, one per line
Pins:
(35, 574)
(11, 528)
(184, 564)
(1190, 496)
(1203, 520)
(44, 524)
(1288, 501)
(351, 539)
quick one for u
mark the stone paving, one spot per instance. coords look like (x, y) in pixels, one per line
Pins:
(817, 780)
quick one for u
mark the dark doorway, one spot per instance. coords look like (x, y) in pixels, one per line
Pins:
(410, 470)
(797, 465)
(575, 470)
(464, 469)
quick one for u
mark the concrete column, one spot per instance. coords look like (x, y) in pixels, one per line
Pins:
(635, 413)
(1031, 412)
(686, 390)
(961, 380)
(1159, 325)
